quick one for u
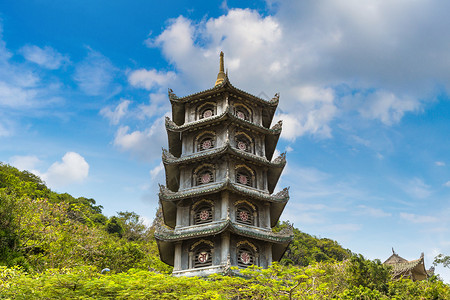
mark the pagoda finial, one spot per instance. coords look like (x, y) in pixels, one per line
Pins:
(221, 76)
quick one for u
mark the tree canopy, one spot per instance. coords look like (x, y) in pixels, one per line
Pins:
(54, 246)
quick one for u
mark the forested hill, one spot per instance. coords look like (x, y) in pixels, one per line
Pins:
(53, 246)
(42, 229)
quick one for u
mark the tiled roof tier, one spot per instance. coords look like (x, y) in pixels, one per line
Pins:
(169, 199)
(171, 163)
(173, 131)
(167, 234)
(402, 268)
(178, 104)
(224, 86)
(206, 189)
(166, 238)
(226, 115)
(169, 159)
(406, 266)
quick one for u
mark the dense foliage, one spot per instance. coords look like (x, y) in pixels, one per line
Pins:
(54, 246)
(306, 249)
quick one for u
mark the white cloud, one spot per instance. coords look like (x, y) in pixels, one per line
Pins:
(156, 171)
(362, 59)
(118, 113)
(386, 106)
(145, 144)
(27, 162)
(95, 75)
(439, 163)
(46, 57)
(416, 187)
(5, 130)
(149, 79)
(16, 96)
(21, 87)
(158, 105)
(345, 227)
(73, 168)
(447, 184)
(373, 212)
(418, 218)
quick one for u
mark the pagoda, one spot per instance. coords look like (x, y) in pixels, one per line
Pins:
(218, 206)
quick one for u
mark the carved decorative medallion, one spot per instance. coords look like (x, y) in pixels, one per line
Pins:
(206, 144)
(204, 215)
(207, 113)
(245, 257)
(243, 215)
(240, 115)
(243, 179)
(206, 178)
(203, 257)
(242, 146)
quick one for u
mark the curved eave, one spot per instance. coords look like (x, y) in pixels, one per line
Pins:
(171, 164)
(169, 211)
(166, 251)
(172, 176)
(174, 141)
(416, 266)
(226, 115)
(224, 86)
(277, 164)
(165, 234)
(168, 198)
(167, 195)
(270, 142)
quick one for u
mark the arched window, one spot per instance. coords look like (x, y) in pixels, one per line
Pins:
(202, 254)
(204, 175)
(202, 212)
(206, 140)
(242, 112)
(245, 175)
(206, 110)
(246, 254)
(246, 213)
(243, 142)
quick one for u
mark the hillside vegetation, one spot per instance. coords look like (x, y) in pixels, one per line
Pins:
(54, 246)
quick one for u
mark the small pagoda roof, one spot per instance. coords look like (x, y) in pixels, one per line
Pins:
(414, 269)
(169, 199)
(174, 130)
(171, 163)
(178, 107)
(224, 86)
(167, 237)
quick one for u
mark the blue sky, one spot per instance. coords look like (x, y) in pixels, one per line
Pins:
(364, 101)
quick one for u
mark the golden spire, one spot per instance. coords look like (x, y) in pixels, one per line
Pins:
(221, 76)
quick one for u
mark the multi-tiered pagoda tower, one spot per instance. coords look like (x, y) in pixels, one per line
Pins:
(217, 205)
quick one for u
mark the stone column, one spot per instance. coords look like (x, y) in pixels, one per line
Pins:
(269, 253)
(177, 258)
(267, 214)
(179, 221)
(225, 247)
(225, 203)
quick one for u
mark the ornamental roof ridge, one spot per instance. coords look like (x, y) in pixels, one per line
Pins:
(164, 233)
(280, 160)
(224, 85)
(172, 126)
(166, 155)
(171, 94)
(166, 194)
(169, 158)
(406, 266)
